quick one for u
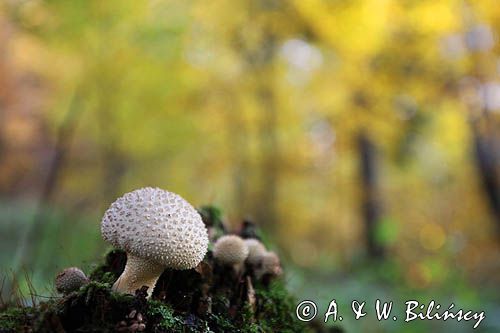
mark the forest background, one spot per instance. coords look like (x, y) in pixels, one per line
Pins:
(362, 136)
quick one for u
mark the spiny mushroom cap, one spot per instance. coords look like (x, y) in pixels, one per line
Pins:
(255, 250)
(70, 279)
(230, 250)
(158, 225)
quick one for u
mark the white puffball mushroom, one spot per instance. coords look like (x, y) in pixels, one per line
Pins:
(230, 250)
(255, 250)
(158, 229)
(269, 263)
(70, 279)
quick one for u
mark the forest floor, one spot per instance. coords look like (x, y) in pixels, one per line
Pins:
(209, 298)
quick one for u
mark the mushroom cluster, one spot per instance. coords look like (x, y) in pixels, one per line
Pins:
(233, 251)
(161, 250)
(158, 229)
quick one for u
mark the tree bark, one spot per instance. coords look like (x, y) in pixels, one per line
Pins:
(270, 152)
(61, 149)
(371, 206)
(487, 157)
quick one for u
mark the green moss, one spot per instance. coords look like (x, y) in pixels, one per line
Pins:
(95, 291)
(274, 313)
(248, 320)
(113, 264)
(221, 322)
(211, 215)
(164, 316)
(276, 308)
(94, 307)
(15, 319)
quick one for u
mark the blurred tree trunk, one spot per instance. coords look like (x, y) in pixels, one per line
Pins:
(263, 63)
(260, 58)
(371, 206)
(487, 157)
(61, 148)
(484, 126)
(3, 107)
(6, 88)
(114, 169)
(237, 134)
(269, 148)
(113, 161)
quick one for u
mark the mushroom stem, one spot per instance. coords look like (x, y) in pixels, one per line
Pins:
(137, 273)
(238, 269)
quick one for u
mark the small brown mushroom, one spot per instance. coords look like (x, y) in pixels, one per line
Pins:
(230, 250)
(255, 250)
(269, 264)
(70, 279)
